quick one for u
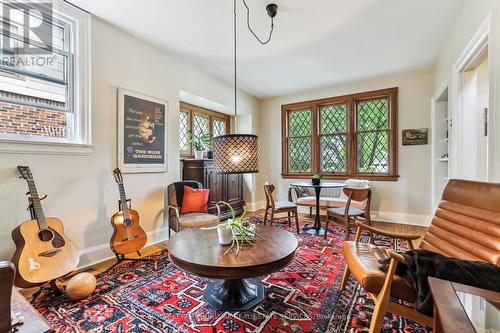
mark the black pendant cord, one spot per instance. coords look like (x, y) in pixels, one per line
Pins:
(235, 84)
(271, 11)
(255, 35)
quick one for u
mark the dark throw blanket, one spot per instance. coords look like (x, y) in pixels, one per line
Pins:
(420, 264)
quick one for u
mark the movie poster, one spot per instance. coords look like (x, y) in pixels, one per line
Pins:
(142, 127)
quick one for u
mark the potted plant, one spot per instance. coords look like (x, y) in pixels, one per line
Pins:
(235, 232)
(210, 152)
(316, 179)
(199, 143)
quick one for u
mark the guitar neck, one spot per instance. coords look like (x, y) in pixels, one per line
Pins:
(37, 205)
(123, 199)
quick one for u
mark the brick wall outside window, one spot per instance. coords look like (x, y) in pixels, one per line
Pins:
(33, 121)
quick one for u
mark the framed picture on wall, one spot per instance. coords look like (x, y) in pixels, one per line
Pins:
(142, 132)
(417, 136)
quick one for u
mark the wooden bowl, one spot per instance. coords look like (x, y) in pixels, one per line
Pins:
(80, 286)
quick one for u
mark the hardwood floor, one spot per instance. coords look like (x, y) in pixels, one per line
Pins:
(104, 265)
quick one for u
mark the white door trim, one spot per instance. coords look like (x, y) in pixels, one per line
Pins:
(476, 45)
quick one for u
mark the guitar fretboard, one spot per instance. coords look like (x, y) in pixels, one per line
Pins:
(123, 199)
(37, 205)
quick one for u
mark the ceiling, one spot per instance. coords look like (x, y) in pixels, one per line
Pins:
(316, 43)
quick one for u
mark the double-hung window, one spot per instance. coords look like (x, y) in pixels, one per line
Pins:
(44, 72)
(353, 136)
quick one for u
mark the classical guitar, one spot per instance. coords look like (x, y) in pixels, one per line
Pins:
(43, 252)
(128, 236)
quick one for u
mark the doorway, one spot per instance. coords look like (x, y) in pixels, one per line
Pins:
(471, 110)
(475, 93)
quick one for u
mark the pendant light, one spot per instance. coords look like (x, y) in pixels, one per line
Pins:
(239, 153)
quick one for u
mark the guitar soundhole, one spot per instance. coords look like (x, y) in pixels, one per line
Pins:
(127, 223)
(45, 235)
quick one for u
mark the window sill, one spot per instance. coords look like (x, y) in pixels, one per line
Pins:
(44, 148)
(342, 177)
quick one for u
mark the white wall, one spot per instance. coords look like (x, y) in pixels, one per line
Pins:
(80, 189)
(473, 14)
(406, 200)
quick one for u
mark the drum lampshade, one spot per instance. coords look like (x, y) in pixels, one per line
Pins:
(236, 153)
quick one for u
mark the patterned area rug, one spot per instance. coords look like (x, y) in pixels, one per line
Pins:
(304, 297)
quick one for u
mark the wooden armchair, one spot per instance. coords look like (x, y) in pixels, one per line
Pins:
(347, 214)
(178, 221)
(466, 226)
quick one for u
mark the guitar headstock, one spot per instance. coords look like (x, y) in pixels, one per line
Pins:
(118, 176)
(25, 172)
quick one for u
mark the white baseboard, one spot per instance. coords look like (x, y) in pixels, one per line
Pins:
(255, 206)
(393, 217)
(94, 254)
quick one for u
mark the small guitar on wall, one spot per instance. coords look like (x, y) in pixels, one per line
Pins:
(128, 236)
(43, 252)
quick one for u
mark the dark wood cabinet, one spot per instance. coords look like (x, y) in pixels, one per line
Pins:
(223, 187)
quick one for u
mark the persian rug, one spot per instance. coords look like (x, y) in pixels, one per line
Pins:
(303, 297)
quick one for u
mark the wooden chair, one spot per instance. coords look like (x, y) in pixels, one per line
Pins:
(466, 226)
(276, 207)
(347, 215)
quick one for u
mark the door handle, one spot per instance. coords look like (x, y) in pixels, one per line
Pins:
(485, 114)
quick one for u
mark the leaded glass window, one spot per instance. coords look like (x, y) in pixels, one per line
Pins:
(333, 141)
(199, 121)
(300, 141)
(200, 125)
(373, 136)
(351, 136)
(219, 127)
(184, 131)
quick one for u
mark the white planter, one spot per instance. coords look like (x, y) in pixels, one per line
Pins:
(198, 154)
(225, 236)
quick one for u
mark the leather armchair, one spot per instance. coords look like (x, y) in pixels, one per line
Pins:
(466, 226)
(178, 221)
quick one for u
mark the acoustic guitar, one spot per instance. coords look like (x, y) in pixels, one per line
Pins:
(43, 252)
(128, 236)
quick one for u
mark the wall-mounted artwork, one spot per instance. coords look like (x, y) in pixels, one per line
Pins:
(142, 132)
(416, 136)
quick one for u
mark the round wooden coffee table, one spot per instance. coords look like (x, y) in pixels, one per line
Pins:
(198, 251)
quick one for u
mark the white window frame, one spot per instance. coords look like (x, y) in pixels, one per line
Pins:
(79, 126)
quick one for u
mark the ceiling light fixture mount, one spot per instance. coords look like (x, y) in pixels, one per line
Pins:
(272, 10)
(239, 153)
